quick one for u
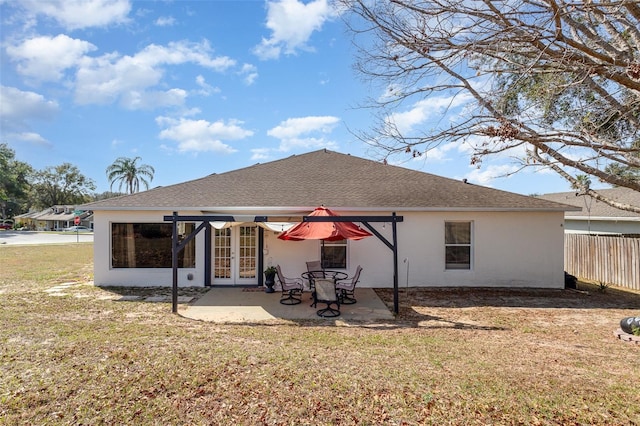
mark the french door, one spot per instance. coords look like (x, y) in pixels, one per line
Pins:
(235, 255)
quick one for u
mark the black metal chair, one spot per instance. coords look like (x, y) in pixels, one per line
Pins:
(314, 266)
(314, 270)
(346, 288)
(325, 292)
(291, 288)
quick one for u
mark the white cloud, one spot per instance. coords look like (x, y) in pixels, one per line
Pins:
(205, 88)
(291, 23)
(485, 175)
(290, 132)
(259, 154)
(182, 52)
(116, 143)
(110, 77)
(202, 135)
(104, 79)
(135, 100)
(264, 51)
(30, 138)
(294, 127)
(78, 14)
(424, 110)
(190, 112)
(46, 58)
(250, 73)
(18, 108)
(113, 77)
(438, 154)
(166, 21)
(324, 79)
(17, 105)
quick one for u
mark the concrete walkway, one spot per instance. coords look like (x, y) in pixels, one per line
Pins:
(242, 305)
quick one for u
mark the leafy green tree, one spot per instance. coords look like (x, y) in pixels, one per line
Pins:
(626, 171)
(14, 183)
(106, 195)
(61, 185)
(582, 184)
(129, 174)
(555, 83)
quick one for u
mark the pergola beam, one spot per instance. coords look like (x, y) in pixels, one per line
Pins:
(177, 248)
(205, 219)
(391, 219)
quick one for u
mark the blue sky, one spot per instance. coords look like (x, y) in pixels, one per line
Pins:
(199, 87)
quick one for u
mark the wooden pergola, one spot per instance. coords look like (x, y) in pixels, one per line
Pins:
(177, 247)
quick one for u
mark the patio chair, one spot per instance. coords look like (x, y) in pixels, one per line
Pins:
(291, 288)
(346, 288)
(315, 271)
(315, 267)
(326, 293)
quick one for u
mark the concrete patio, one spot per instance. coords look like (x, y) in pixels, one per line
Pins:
(242, 305)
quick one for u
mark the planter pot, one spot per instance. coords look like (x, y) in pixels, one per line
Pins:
(629, 324)
(269, 282)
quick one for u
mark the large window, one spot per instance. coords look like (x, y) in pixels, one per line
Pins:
(334, 254)
(148, 245)
(457, 245)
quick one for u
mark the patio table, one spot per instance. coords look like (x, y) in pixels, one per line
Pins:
(325, 273)
(311, 276)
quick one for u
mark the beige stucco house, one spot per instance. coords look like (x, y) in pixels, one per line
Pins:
(452, 233)
(54, 218)
(598, 218)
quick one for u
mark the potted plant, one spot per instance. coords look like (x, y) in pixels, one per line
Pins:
(270, 275)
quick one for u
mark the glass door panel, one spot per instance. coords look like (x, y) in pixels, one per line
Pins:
(222, 255)
(247, 249)
(235, 255)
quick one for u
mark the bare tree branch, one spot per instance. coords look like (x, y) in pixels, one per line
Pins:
(560, 78)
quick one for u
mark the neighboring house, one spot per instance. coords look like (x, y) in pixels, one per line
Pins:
(598, 218)
(54, 218)
(453, 233)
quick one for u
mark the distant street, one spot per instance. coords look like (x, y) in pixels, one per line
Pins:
(30, 237)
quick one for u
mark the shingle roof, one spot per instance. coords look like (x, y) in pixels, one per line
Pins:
(64, 212)
(325, 178)
(594, 208)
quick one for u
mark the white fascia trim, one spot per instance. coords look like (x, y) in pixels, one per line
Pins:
(604, 218)
(261, 210)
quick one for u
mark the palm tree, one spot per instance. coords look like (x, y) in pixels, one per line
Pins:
(582, 184)
(129, 174)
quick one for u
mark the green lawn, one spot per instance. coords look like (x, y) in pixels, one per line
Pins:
(451, 358)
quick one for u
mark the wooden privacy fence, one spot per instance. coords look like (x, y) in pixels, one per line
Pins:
(610, 260)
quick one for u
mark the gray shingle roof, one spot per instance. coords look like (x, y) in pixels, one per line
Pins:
(591, 207)
(325, 178)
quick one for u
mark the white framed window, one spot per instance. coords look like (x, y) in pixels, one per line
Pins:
(458, 245)
(333, 254)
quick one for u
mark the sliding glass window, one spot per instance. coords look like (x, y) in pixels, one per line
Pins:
(148, 245)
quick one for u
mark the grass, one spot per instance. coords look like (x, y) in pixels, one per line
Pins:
(452, 357)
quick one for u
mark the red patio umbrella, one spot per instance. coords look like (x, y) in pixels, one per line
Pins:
(326, 231)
